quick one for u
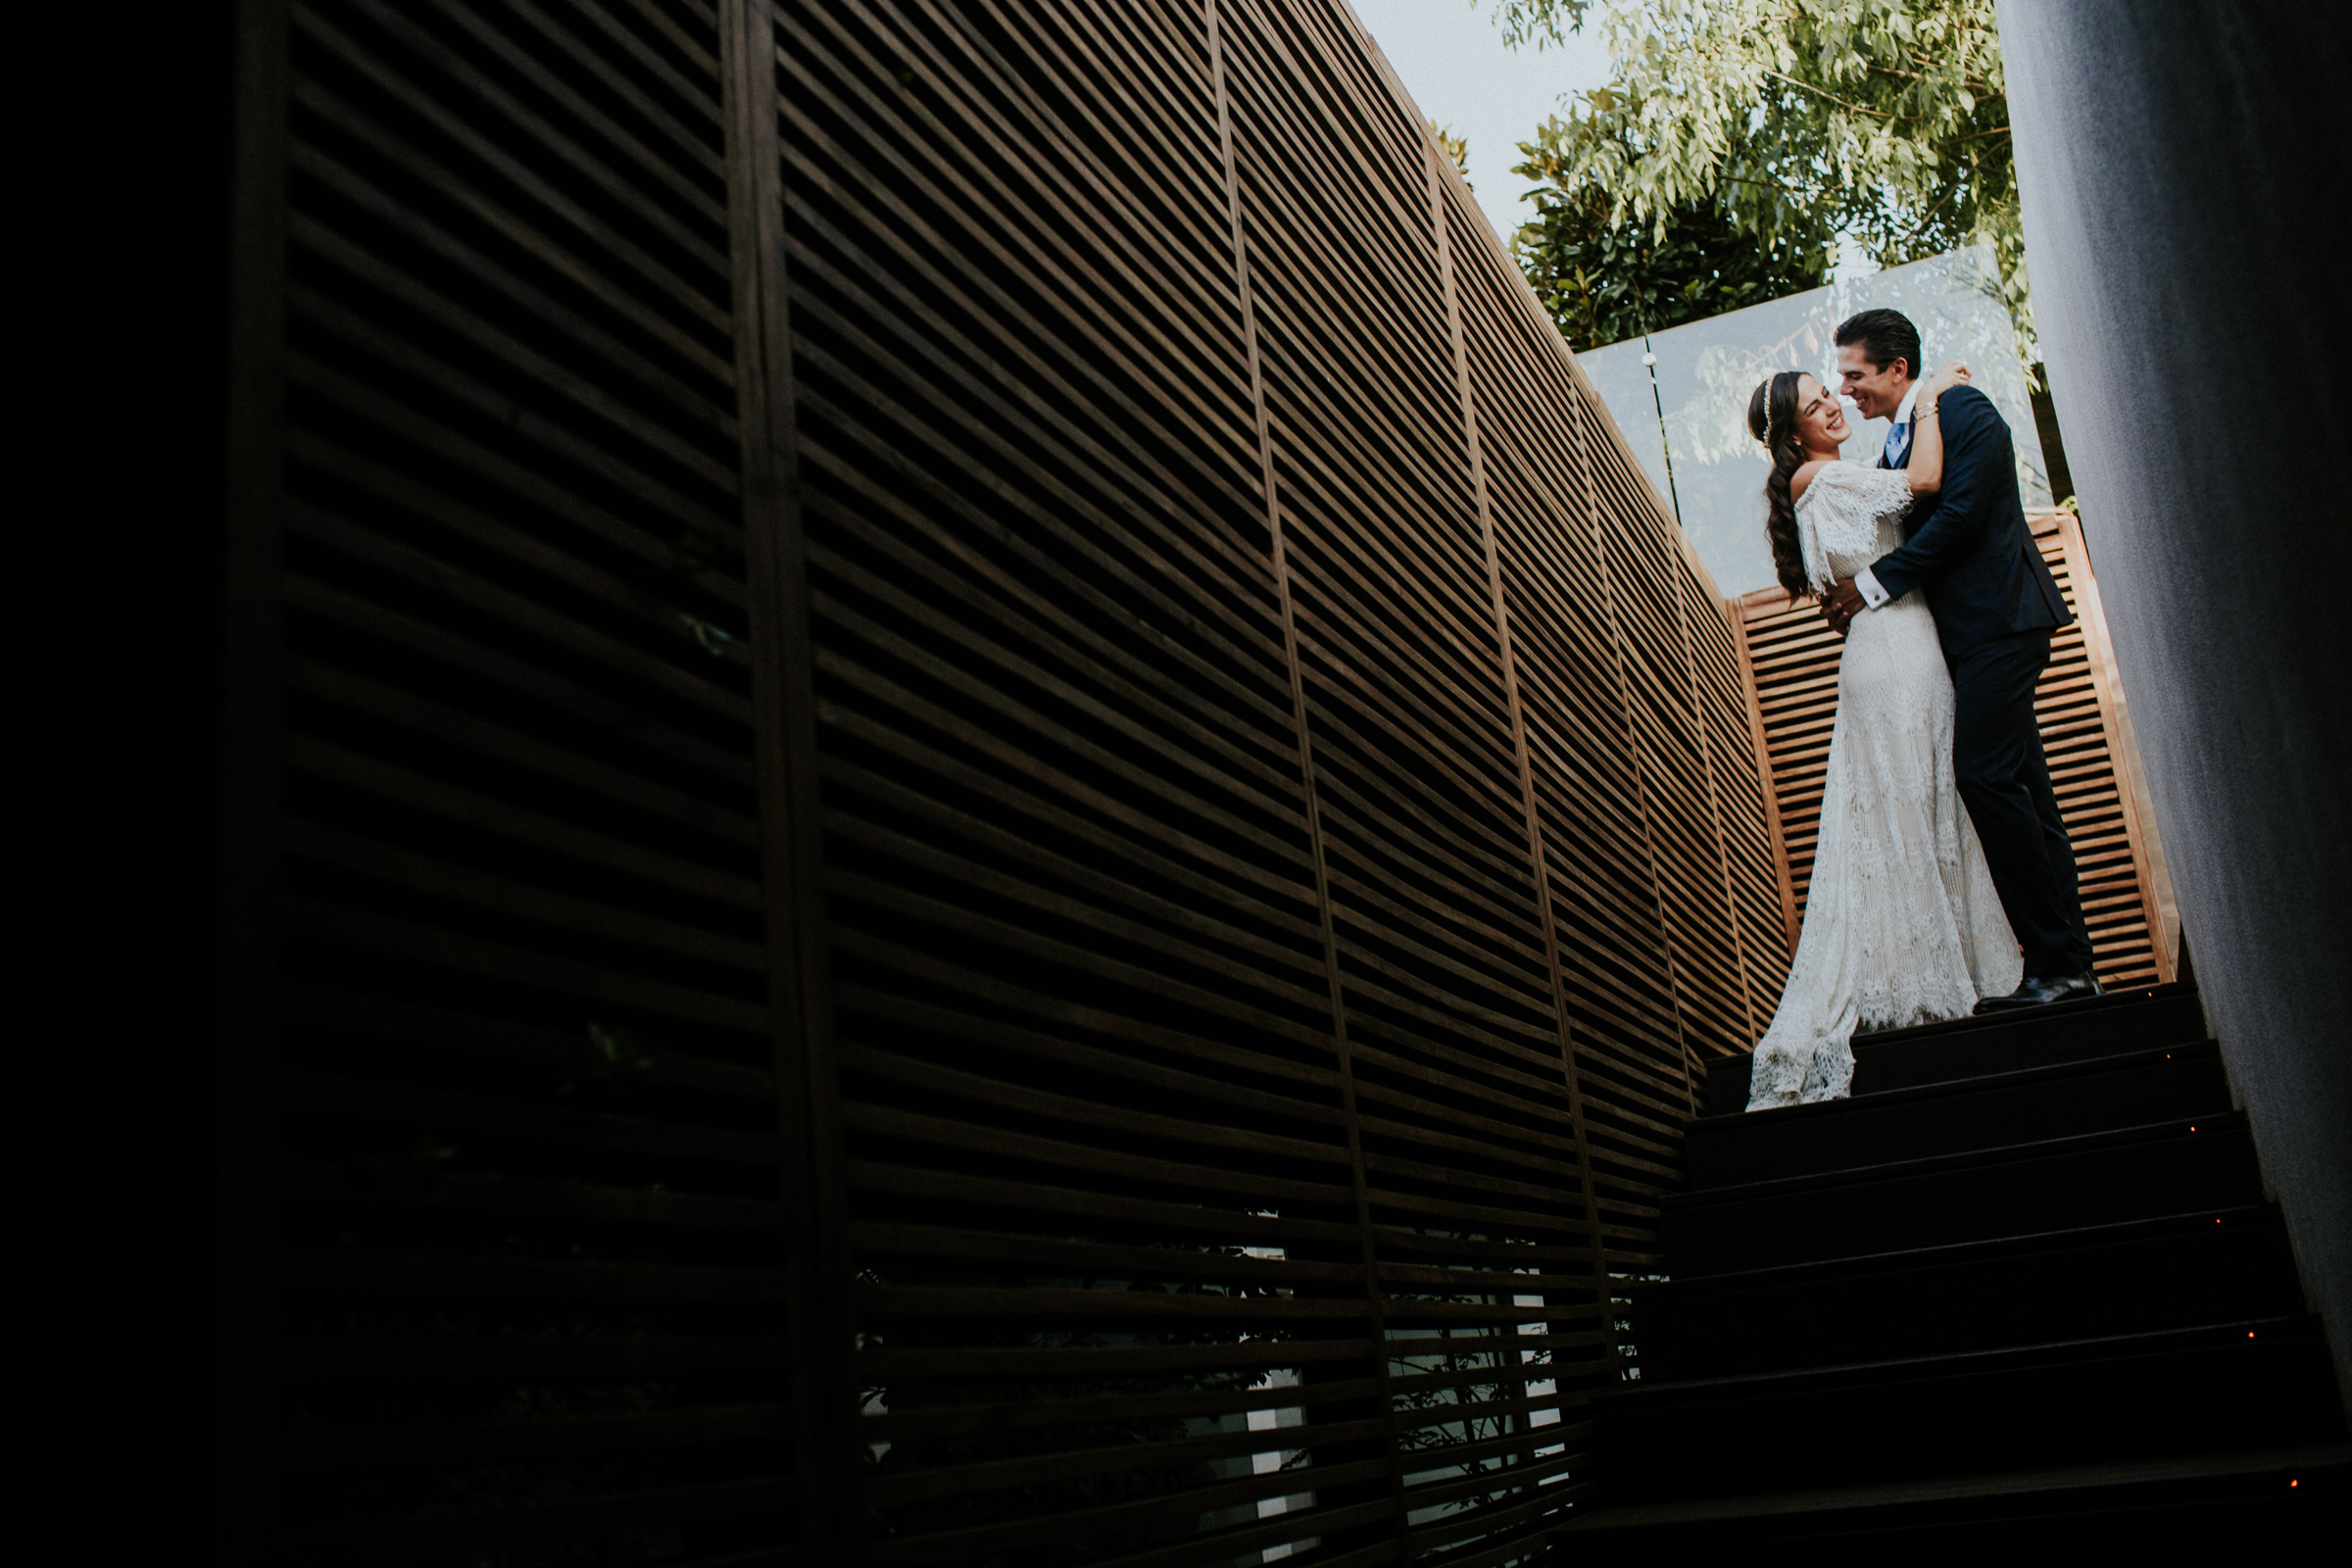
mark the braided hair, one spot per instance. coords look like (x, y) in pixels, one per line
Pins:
(1772, 419)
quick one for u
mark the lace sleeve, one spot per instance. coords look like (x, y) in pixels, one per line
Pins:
(1886, 492)
(1838, 516)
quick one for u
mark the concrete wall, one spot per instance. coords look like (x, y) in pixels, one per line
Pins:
(2185, 202)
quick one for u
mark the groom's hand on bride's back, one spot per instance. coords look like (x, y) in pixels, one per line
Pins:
(1841, 605)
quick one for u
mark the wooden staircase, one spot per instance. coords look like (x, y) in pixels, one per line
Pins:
(2022, 1287)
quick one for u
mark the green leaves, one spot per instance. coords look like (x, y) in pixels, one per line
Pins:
(1605, 282)
(1456, 146)
(1884, 120)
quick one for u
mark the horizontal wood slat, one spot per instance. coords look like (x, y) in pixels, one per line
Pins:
(1291, 811)
(993, 825)
(530, 1144)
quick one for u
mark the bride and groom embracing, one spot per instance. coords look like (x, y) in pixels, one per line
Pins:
(1943, 883)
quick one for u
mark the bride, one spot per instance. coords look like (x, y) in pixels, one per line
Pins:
(1902, 925)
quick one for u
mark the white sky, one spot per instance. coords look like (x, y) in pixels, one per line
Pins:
(1454, 64)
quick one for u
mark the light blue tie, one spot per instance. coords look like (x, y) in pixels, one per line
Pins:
(1899, 442)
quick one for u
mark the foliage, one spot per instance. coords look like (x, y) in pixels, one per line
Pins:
(1883, 119)
(1605, 282)
(1477, 1375)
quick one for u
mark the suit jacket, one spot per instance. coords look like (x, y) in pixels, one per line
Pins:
(1968, 546)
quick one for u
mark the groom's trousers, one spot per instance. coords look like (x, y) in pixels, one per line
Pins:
(2005, 781)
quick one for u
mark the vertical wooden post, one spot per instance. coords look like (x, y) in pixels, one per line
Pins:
(1706, 762)
(819, 1328)
(2123, 754)
(1641, 768)
(1538, 870)
(1737, 610)
(1374, 1304)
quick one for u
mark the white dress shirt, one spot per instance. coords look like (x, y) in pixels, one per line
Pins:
(1873, 596)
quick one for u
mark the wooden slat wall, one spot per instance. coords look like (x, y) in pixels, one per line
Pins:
(532, 1179)
(1794, 661)
(985, 822)
(1260, 1028)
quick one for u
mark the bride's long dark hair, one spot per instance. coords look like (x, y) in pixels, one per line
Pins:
(1772, 419)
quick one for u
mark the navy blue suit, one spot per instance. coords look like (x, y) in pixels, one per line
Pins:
(1969, 551)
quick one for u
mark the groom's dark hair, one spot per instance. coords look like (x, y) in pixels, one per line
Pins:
(1886, 336)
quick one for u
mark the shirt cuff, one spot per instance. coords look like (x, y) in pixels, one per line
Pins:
(1872, 594)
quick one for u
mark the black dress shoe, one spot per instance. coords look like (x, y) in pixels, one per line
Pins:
(2040, 993)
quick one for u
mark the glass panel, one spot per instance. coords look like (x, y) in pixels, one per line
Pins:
(1706, 369)
(1623, 382)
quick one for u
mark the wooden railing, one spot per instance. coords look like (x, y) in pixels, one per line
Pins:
(2085, 729)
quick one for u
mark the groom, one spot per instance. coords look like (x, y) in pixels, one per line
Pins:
(1969, 549)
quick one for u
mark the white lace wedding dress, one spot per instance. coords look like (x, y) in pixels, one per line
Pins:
(1902, 924)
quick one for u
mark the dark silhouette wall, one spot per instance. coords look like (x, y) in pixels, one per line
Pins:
(2184, 173)
(899, 782)
(118, 337)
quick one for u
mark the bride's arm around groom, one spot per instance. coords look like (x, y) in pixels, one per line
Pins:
(1979, 506)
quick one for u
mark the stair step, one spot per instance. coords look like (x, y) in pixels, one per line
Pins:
(2269, 1504)
(2140, 1276)
(2252, 1384)
(2049, 1101)
(2171, 1168)
(1967, 1047)
(2022, 1288)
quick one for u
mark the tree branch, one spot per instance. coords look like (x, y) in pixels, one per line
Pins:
(1982, 86)
(1843, 102)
